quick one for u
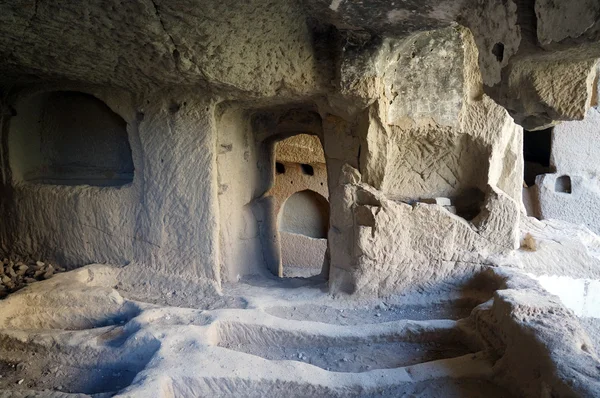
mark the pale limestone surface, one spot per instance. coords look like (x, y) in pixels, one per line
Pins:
(497, 35)
(580, 206)
(245, 215)
(564, 263)
(305, 212)
(529, 91)
(52, 128)
(574, 147)
(239, 182)
(145, 221)
(199, 202)
(281, 49)
(145, 44)
(559, 21)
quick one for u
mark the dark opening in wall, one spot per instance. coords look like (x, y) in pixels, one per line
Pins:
(469, 204)
(537, 146)
(498, 51)
(307, 169)
(279, 168)
(69, 138)
(563, 184)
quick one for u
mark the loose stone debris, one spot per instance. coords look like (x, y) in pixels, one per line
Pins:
(15, 275)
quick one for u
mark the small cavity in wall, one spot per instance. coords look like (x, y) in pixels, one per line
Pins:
(563, 184)
(466, 205)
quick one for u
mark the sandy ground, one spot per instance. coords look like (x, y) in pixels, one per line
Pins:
(94, 332)
(75, 333)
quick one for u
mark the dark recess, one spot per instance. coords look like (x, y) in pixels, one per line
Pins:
(307, 169)
(563, 184)
(537, 147)
(279, 168)
(498, 51)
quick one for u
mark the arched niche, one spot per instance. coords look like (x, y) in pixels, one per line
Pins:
(305, 213)
(69, 138)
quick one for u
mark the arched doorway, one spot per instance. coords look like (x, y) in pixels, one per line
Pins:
(300, 191)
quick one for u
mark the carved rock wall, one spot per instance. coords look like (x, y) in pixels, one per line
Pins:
(468, 151)
(572, 192)
(165, 219)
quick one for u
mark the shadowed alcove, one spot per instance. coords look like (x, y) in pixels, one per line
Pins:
(69, 138)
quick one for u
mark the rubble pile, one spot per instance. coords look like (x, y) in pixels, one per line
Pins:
(15, 275)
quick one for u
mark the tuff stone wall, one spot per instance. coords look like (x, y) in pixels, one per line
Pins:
(164, 44)
(301, 148)
(305, 213)
(202, 202)
(574, 149)
(572, 192)
(165, 219)
(303, 223)
(418, 155)
(240, 181)
(400, 241)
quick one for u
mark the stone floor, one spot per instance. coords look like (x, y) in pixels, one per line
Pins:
(76, 335)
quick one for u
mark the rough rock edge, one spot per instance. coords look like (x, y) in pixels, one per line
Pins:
(542, 348)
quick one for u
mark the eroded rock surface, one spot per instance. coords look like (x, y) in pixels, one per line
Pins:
(185, 142)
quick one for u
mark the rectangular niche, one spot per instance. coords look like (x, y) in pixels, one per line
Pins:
(69, 138)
